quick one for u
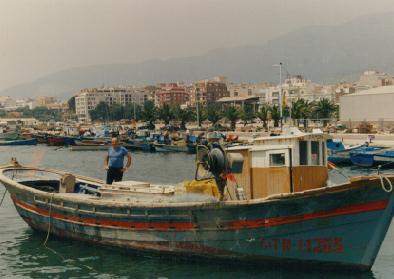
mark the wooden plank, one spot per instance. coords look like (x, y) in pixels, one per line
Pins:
(309, 177)
(269, 181)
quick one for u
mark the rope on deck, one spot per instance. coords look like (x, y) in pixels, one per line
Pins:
(390, 185)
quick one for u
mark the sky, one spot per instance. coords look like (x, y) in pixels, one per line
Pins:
(39, 37)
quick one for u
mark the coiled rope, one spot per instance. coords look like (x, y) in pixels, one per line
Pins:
(390, 185)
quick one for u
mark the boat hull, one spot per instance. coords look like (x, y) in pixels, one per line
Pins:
(18, 142)
(170, 148)
(338, 226)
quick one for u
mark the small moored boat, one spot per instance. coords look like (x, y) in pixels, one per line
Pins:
(18, 142)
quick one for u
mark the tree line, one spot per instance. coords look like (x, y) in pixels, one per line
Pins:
(299, 112)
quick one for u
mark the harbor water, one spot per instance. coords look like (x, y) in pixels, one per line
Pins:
(23, 255)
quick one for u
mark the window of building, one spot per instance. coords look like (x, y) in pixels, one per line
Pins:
(315, 154)
(277, 160)
(303, 150)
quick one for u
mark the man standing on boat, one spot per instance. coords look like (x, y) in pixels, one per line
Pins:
(114, 161)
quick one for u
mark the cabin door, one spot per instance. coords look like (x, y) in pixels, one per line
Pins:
(270, 172)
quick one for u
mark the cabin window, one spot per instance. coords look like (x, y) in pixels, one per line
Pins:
(303, 148)
(323, 152)
(315, 153)
(277, 160)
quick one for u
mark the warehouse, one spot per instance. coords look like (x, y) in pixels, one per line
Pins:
(375, 106)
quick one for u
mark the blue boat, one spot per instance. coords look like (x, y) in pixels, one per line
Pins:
(338, 153)
(383, 158)
(364, 156)
(19, 142)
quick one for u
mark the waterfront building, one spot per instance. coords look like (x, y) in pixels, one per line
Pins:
(45, 101)
(88, 99)
(240, 102)
(372, 79)
(295, 88)
(29, 103)
(207, 92)
(373, 105)
(342, 89)
(247, 89)
(171, 94)
(7, 103)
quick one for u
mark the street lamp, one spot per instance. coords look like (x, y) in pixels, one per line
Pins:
(280, 93)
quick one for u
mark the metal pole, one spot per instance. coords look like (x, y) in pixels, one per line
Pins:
(198, 114)
(135, 119)
(280, 96)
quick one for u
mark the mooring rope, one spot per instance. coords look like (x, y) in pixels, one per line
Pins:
(2, 199)
(390, 185)
(48, 233)
(49, 220)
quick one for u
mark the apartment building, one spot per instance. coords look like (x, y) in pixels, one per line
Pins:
(88, 99)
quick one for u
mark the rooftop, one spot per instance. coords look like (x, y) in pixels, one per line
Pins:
(238, 99)
(374, 91)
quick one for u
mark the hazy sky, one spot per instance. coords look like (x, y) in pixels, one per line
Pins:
(38, 37)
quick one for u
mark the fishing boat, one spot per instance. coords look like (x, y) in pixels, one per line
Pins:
(364, 157)
(274, 207)
(60, 140)
(376, 157)
(18, 142)
(338, 153)
(162, 147)
(9, 135)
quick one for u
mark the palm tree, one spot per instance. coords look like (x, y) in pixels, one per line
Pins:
(184, 115)
(232, 115)
(247, 114)
(166, 114)
(275, 115)
(149, 113)
(213, 114)
(325, 109)
(263, 114)
(300, 109)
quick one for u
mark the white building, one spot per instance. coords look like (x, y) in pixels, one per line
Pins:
(372, 79)
(373, 105)
(88, 99)
(295, 88)
(21, 103)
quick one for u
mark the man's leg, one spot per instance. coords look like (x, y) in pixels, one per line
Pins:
(119, 175)
(110, 176)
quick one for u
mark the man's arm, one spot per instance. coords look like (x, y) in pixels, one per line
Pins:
(106, 158)
(128, 164)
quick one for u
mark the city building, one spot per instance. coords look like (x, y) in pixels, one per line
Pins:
(247, 89)
(22, 103)
(44, 101)
(342, 89)
(373, 105)
(295, 88)
(207, 91)
(171, 94)
(372, 79)
(88, 99)
(8, 103)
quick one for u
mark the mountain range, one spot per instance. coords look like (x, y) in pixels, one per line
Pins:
(323, 54)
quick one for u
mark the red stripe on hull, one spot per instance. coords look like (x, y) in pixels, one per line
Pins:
(185, 226)
(277, 221)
